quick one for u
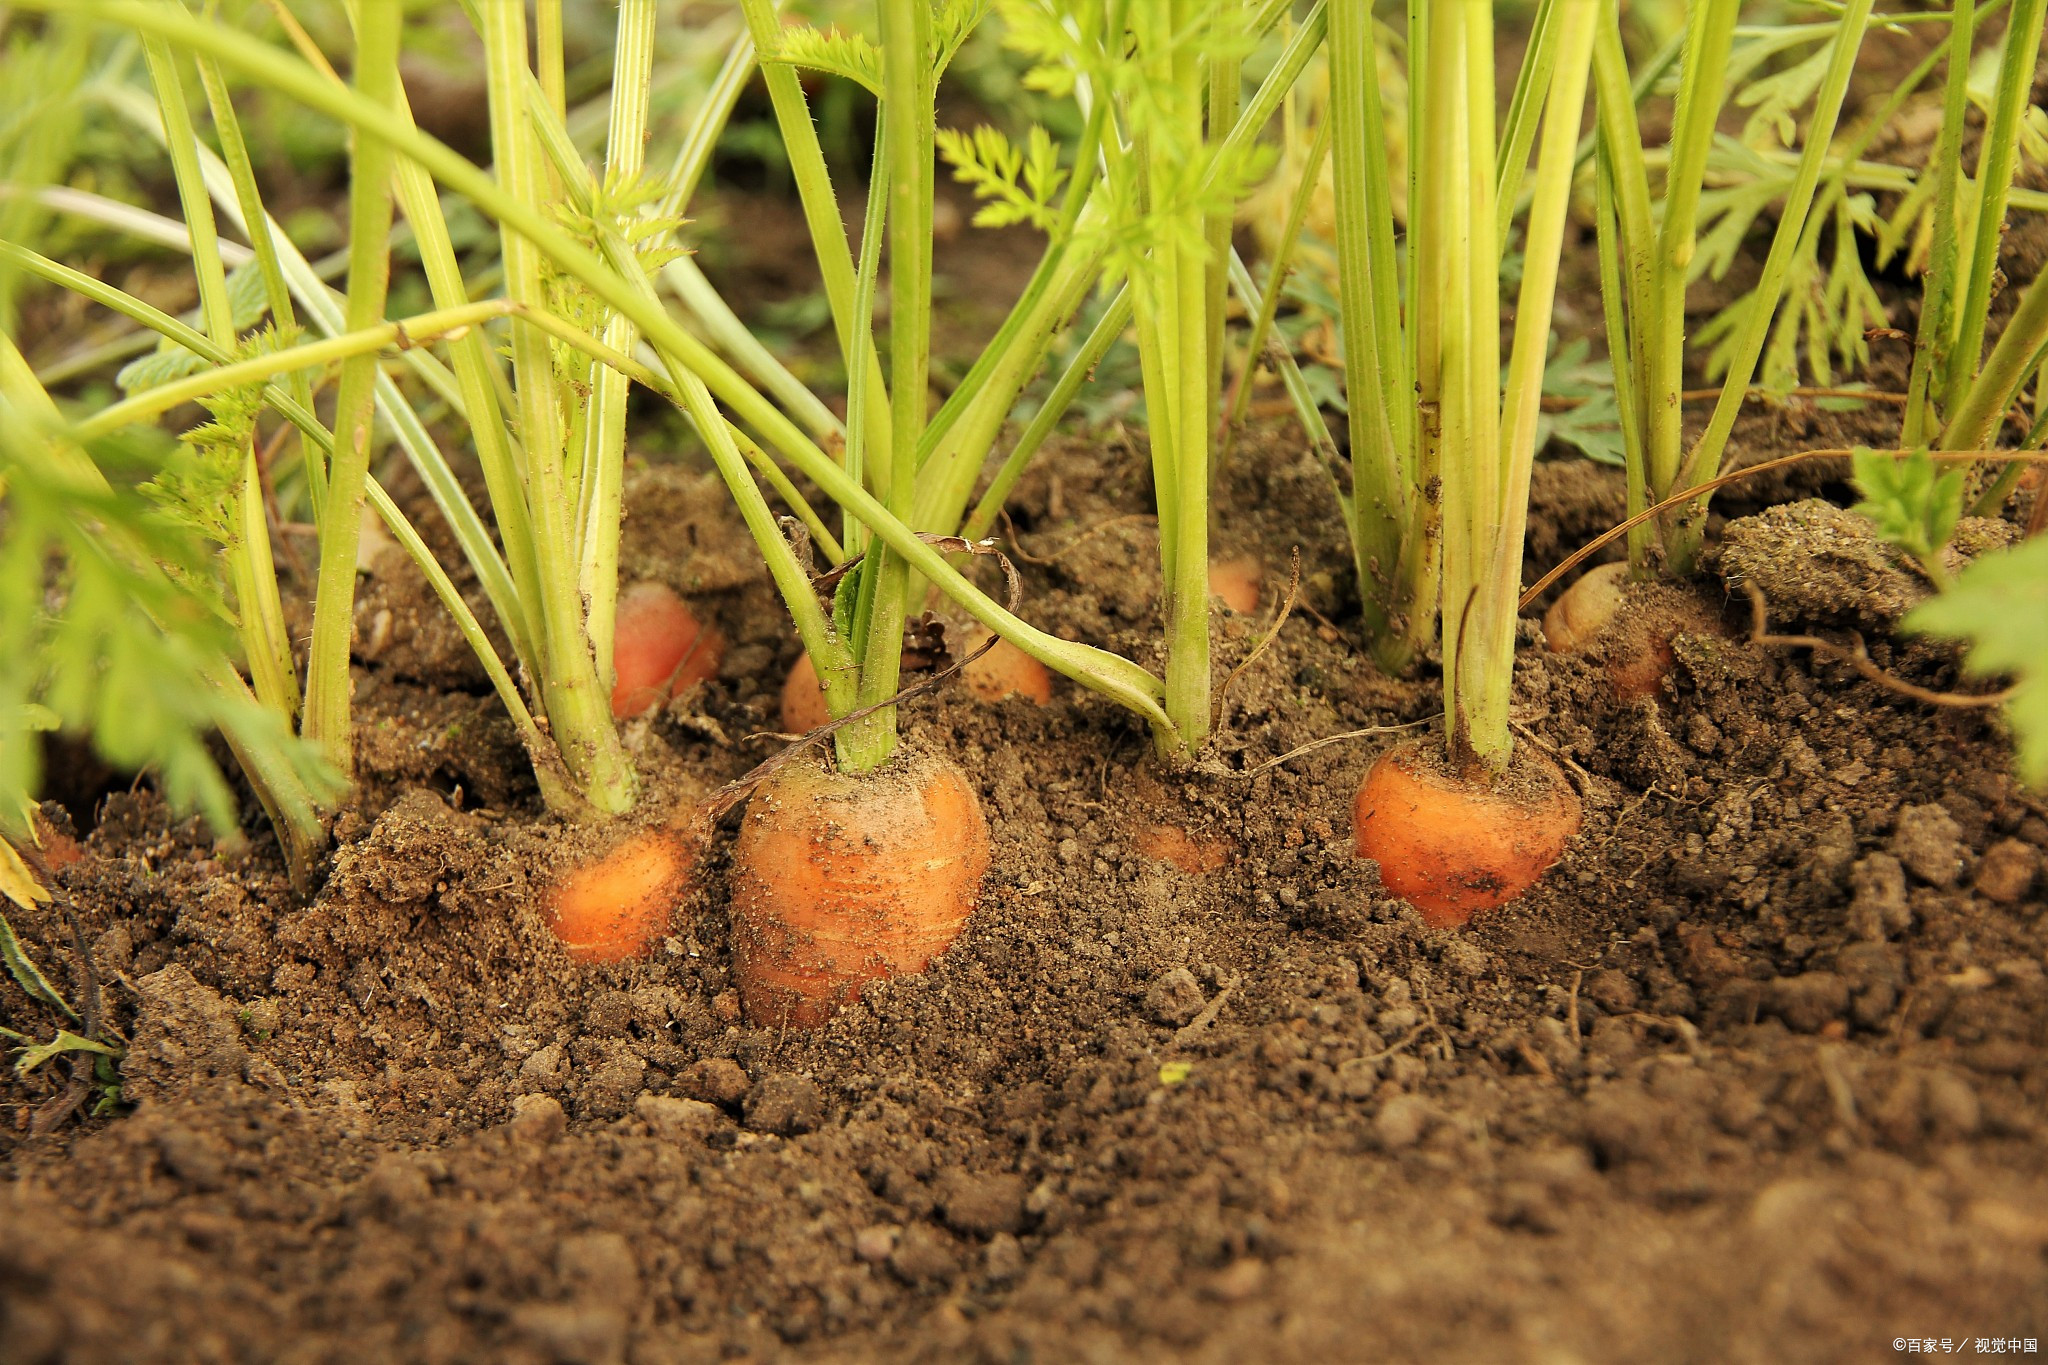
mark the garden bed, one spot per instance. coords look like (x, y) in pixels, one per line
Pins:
(1756, 1074)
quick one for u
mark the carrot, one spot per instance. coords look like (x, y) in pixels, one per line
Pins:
(1170, 844)
(1452, 845)
(1585, 609)
(1633, 628)
(614, 907)
(838, 881)
(1237, 582)
(803, 700)
(1005, 671)
(660, 649)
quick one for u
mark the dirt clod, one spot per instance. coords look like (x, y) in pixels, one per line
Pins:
(785, 1105)
(680, 1120)
(982, 1205)
(718, 1080)
(2006, 872)
(1174, 997)
(1929, 843)
(537, 1120)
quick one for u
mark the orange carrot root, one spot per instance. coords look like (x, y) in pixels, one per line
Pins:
(1452, 847)
(614, 907)
(1237, 582)
(1171, 844)
(1582, 612)
(1636, 643)
(838, 881)
(803, 700)
(660, 649)
(1005, 671)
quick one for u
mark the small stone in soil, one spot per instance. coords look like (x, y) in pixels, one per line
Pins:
(1809, 1001)
(2006, 872)
(921, 1257)
(1930, 844)
(982, 1205)
(718, 1080)
(786, 1104)
(1003, 1259)
(679, 1120)
(1400, 1122)
(874, 1244)
(1239, 1280)
(536, 1120)
(1174, 998)
(1877, 907)
(548, 1066)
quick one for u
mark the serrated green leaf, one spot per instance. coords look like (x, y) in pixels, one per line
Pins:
(850, 56)
(1910, 502)
(1999, 605)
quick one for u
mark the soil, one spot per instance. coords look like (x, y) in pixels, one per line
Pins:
(1756, 1074)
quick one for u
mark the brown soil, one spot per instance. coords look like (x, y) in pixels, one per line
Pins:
(1756, 1074)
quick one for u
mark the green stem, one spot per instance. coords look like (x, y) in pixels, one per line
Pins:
(1278, 270)
(908, 116)
(1101, 337)
(1461, 216)
(328, 685)
(1982, 410)
(1393, 516)
(605, 430)
(1682, 542)
(820, 204)
(578, 708)
(1937, 300)
(1996, 161)
(1702, 88)
(1490, 648)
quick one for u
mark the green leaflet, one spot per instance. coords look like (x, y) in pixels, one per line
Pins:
(1999, 605)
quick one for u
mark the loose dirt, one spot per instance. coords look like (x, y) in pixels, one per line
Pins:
(1756, 1074)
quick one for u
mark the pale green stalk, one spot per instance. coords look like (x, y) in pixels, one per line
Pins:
(1466, 286)
(1100, 338)
(1185, 288)
(1487, 660)
(604, 458)
(267, 365)
(908, 117)
(327, 674)
(724, 329)
(1996, 160)
(1395, 517)
(578, 708)
(1702, 86)
(1268, 303)
(820, 206)
(1682, 542)
(1975, 423)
